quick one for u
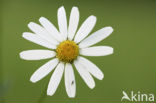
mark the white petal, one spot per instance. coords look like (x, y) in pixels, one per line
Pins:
(51, 28)
(70, 82)
(92, 68)
(44, 70)
(37, 54)
(38, 40)
(73, 22)
(85, 29)
(84, 74)
(96, 37)
(96, 51)
(55, 79)
(62, 22)
(42, 32)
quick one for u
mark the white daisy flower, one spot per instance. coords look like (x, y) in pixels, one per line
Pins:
(67, 46)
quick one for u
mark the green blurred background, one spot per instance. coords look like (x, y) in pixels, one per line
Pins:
(131, 67)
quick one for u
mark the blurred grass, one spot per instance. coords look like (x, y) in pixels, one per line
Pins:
(1, 71)
(1, 7)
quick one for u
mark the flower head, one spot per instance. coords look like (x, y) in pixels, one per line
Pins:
(66, 47)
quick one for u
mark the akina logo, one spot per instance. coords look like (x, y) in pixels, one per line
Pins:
(137, 96)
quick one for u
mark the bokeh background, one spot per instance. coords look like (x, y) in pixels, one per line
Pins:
(131, 67)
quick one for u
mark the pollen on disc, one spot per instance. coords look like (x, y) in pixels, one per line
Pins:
(67, 51)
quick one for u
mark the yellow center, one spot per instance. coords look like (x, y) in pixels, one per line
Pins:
(67, 51)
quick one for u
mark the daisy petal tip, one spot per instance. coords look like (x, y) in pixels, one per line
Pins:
(49, 93)
(101, 78)
(41, 18)
(92, 87)
(32, 80)
(72, 96)
(110, 28)
(75, 7)
(94, 17)
(112, 51)
(21, 55)
(62, 7)
(24, 34)
(30, 24)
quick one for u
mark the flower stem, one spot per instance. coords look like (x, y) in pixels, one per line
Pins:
(43, 95)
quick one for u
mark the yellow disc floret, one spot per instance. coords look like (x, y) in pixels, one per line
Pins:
(67, 51)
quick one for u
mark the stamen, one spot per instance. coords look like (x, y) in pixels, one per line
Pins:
(67, 51)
